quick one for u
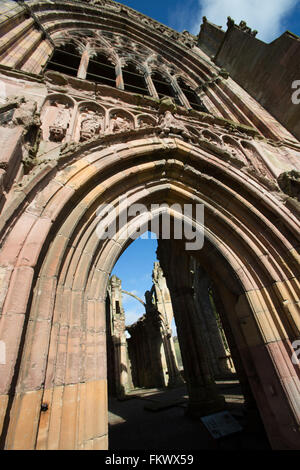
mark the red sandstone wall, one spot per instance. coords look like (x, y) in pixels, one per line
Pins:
(266, 71)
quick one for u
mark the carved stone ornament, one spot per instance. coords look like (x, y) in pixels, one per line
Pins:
(91, 125)
(58, 130)
(120, 124)
(57, 134)
(170, 124)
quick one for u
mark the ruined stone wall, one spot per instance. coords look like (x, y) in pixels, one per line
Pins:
(146, 354)
(151, 348)
(265, 71)
(120, 373)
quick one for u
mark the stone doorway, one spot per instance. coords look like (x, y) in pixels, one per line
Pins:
(56, 378)
(210, 368)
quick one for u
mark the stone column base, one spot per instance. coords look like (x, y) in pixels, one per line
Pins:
(176, 382)
(205, 407)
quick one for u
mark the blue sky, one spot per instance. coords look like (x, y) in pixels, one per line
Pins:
(270, 17)
(134, 268)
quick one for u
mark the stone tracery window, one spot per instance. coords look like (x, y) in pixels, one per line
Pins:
(163, 87)
(134, 80)
(65, 59)
(101, 70)
(191, 96)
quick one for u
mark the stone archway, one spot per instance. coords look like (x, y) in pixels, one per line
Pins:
(55, 272)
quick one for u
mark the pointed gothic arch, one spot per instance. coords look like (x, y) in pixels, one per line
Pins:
(191, 95)
(101, 69)
(163, 85)
(134, 79)
(60, 278)
(65, 59)
(53, 267)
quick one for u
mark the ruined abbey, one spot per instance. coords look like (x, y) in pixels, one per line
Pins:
(100, 103)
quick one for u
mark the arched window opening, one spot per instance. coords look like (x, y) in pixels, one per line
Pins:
(191, 96)
(134, 80)
(65, 59)
(164, 88)
(100, 70)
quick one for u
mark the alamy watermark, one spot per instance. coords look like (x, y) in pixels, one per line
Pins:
(131, 221)
(296, 93)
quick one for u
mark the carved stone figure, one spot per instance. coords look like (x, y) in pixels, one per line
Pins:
(91, 125)
(58, 130)
(120, 124)
(170, 124)
(244, 27)
(289, 183)
(230, 22)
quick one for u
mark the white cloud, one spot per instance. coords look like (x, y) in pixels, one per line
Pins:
(266, 16)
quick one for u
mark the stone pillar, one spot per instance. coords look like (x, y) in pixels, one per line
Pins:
(119, 77)
(156, 327)
(174, 377)
(203, 394)
(150, 85)
(84, 63)
(219, 356)
(121, 363)
(164, 307)
(180, 94)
